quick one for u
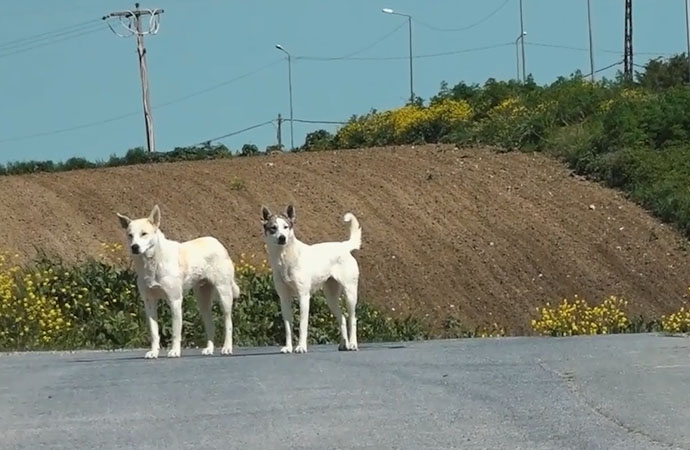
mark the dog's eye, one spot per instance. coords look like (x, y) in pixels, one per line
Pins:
(273, 229)
(130, 235)
(285, 227)
(144, 234)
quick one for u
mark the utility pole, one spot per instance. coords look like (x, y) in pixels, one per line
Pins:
(591, 45)
(522, 44)
(628, 50)
(517, 55)
(134, 28)
(687, 36)
(280, 137)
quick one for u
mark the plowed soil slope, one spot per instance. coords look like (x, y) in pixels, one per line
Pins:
(467, 233)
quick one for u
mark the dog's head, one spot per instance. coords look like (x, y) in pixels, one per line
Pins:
(142, 233)
(278, 228)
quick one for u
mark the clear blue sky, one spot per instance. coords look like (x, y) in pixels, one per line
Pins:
(204, 43)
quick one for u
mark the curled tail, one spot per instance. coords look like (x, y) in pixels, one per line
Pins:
(355, 241)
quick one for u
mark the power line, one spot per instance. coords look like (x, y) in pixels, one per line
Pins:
(334, 122)
(371, 45)
(479, 22)
(19, 49)
(48, 34)
(233, 133)
(395, 58)
(583, 49)
(66, 130)
(131, 114)
(219, 85)
(617, 63)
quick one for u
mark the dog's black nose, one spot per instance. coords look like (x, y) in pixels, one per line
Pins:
(135, 249)
(281, 240)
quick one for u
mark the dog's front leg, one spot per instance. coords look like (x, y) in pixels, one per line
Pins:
(176, 313)
(303, 322)
(151, 310)
(286, 312)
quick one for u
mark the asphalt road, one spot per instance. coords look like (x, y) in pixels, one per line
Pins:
(615, 392)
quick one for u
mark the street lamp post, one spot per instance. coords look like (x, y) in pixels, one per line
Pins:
(517, 53)
(522, 32)
(409, 28)
(280, 47)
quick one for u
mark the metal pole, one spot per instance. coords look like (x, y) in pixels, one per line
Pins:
(409, 23)
(687, 36)
(517, 58)
(292, 141)
(522, 33)
(409, 29)
(591, 46)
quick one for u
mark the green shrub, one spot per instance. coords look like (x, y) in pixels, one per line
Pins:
(95, 304)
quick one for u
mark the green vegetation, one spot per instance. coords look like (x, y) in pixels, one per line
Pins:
(95, 304)
(633, 136)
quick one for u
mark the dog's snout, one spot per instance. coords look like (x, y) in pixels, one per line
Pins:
(281, 239)
(135, 249)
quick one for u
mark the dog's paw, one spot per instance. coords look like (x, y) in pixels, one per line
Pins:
(344, 346)
(301, 349)
(286, 349)
(152, 354)
(174, 353)
(226, 351)
(208, 351)
(352, 346)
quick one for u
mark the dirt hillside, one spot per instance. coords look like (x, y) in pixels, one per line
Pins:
(470, 233)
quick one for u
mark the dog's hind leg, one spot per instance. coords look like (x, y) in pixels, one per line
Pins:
(332, 291)
(224, 292)
(351, 302)
(203, 292)
(175, 302)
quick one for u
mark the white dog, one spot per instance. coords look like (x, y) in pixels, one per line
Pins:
(301, 269)
(167, 269)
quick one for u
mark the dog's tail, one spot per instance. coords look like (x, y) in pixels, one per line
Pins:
(355, 241)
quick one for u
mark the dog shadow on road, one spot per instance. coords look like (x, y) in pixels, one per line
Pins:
(140, 358)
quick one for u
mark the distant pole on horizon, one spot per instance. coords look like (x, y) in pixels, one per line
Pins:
(409, 30)
(289, 58)
(134, 18)
(591, 45)
(517, 53)
(628, 46)
(522, 43)
(687, 35)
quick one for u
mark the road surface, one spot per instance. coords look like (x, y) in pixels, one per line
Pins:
(606, 392)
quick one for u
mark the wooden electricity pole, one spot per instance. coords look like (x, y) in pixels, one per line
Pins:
(134, 18)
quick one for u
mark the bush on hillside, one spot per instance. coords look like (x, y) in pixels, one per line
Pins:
(133, 156)
(407, 125)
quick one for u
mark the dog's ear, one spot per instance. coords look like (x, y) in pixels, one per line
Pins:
(265, 214)
(290, 213)
(124, 220)
(155, 216)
